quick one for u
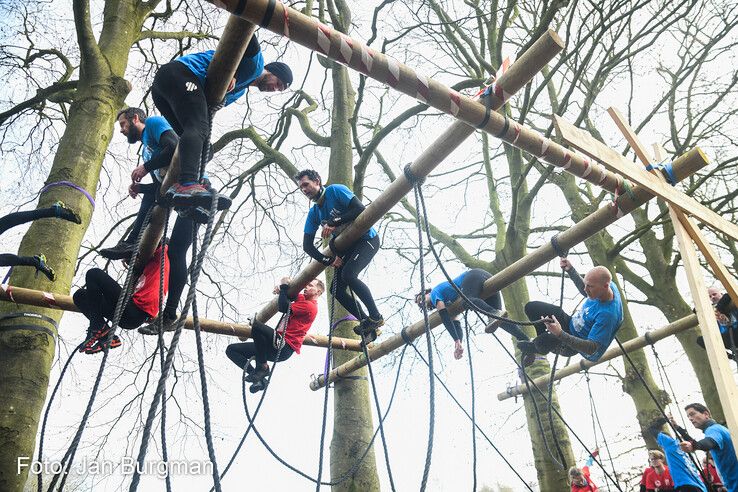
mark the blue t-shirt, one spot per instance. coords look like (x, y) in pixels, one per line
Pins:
(248, 70)
(598, 321)
(445, 291)
(724, 455)
(154, 127)
(683, 471)
(335, 201)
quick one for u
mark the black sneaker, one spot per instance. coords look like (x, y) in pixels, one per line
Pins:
(257, 375)
(368, 324)
(195, 195)
(259, 386)
(121, 251)
(152, 328)
(43, 267)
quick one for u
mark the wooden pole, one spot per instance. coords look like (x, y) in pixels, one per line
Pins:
(516, 77)
(715, 350)
(231, 47)
(650, 338)
(19, 295)
(685, 165)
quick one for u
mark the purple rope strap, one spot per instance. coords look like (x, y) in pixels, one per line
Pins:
(71, 185)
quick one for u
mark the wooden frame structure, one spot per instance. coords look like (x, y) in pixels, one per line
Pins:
(316, 36)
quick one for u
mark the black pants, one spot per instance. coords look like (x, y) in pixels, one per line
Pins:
(347, 276)
(179, 243)
(687, 488)
(472, 286)
(7, 259)
(17, 218)
(729, 344)
(262, 347)
(97, 300)
(148, 199)
(545, 341)
(181, 100)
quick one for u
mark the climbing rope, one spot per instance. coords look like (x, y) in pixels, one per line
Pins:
(473, 403)
(160, 347)
(429, 340)
(123, 298)
(596, 423)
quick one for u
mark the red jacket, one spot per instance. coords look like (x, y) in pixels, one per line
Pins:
(301, 319)
(590, 487)
(146, 293)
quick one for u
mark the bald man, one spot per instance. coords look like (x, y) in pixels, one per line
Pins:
(588, 331)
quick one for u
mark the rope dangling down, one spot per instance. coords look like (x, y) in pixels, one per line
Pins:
(196, 269)
(596, 418)
(428, 338)
(123, 298)
(473, 401)
(160, 348)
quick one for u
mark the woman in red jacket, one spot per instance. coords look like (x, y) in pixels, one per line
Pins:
(98, 298)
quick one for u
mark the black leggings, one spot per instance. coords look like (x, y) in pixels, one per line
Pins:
(545, 341)
(97, 300)
(262, 347)
(148, 199)
(472, 286)
(181, 100)
(729, 344)
(17, 218)
(7, 259)
(179, 244)
(347, 276)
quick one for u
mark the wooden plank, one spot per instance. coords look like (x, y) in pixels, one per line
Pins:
(585, 143)
(19, 295)
(652, 337)
(724, 381)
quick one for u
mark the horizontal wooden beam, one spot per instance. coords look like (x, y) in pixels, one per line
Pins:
(62, 302)
(615, 162)
(649, 338)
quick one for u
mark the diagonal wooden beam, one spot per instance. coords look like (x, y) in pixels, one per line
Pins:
(721, 372)
(62, 302)
(613, 161)
(631, 345)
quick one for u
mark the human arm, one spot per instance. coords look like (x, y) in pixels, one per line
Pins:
(573, 275)
(308, 245)
(167, 144)
(705, 444)
(355, 207)
(581, 345)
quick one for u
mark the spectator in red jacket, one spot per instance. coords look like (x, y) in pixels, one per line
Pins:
(656, 478)
(98, 298)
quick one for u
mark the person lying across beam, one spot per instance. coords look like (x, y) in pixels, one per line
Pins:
(471, 284)
(588, 331)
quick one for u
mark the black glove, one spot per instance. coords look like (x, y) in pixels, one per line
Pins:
(283, 303)
(327, 260)
(459, 330)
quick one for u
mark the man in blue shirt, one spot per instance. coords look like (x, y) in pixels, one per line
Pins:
(471, 284)
(179, 94)
(589, 331)
(726, 314)
(683, 471)
(717, 440)
(158, 142)
(334, 206)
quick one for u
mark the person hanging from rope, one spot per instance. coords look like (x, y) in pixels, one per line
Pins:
(57, 210)
(290, 333)
(589, 331)
(717, 441)
(158, 142)
(471, 283)
(679, 473)
(336, 205)
(579, 478)
(98, 298)
(726, 314)
(178, 92)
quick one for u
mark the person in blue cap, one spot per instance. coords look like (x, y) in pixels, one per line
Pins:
(178, 92)
(336, 205)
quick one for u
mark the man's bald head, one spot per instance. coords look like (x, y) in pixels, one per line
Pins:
(715, 293)
(597, 283)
